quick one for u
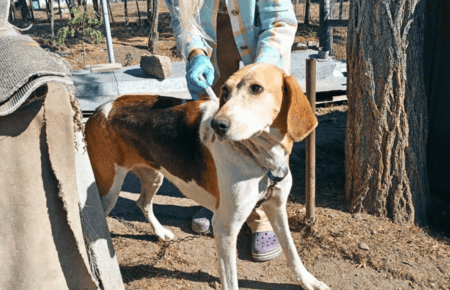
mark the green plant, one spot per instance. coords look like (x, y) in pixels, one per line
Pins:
(312, 33)
(84, 24)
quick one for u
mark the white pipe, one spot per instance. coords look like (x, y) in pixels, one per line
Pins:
(108, 31)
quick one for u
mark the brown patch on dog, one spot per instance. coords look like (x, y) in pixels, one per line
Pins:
(296, 118)
(106, 148)
(101, 151)
(158, 132)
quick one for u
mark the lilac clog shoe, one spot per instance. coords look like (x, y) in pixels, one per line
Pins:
(265, 246)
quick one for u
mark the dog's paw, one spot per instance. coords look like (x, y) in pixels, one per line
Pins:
(319, 285)
(164, 234)
(312, 283)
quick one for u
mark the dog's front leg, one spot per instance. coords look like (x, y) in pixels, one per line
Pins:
(227, 222)
(275, 209)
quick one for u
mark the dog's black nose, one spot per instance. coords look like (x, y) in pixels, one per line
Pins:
(220, 126)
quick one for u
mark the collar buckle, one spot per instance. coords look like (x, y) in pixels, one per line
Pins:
(273, 182)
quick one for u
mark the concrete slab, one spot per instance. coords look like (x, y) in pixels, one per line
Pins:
(90, 103)
(92, 88)
(95, 89)
(97, 78)
(81, 72)
(329, 73)
(133, 80)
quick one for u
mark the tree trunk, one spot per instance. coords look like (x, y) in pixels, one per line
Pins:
(59, 9)
(154, 35)
(24, 10)
(385, 147)
(125, 9)
(32, 10)
(110, 11)
(52, 22)
(139, 12)
(12, 12)
(70, 6)
(47, 3)
(149, 11)
(95, 4)
(307, 8)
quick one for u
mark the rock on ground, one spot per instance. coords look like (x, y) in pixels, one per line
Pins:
(157, 66)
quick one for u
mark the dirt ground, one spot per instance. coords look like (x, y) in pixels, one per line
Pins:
(130, 40)
(397, 257)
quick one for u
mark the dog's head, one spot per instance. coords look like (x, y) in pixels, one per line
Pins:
(260, 96)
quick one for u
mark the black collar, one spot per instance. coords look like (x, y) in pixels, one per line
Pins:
(280, 174)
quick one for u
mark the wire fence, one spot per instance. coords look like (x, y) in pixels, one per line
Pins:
(330, 34)
(130, 22)
(340, 9)
(128, 18)
(308, 11)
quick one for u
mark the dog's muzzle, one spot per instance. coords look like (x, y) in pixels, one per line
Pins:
(220, 126)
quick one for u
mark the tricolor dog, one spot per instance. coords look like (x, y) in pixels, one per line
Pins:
(219, 153)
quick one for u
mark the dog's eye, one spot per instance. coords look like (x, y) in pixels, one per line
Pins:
(225, 92)
(255, 89)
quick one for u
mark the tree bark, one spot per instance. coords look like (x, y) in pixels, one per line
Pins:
(154, 35)
(385, 146)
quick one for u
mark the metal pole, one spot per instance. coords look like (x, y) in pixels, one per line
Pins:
(311, 141)
(326, 32)
(108, 31)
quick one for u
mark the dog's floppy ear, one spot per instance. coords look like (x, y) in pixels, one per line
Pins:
(301, 120)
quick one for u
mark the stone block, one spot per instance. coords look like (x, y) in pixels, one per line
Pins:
(312, 44)
(299, 46)
(157, 66)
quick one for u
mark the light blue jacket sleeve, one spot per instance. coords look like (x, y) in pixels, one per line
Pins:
(278, 28)
(192, 41)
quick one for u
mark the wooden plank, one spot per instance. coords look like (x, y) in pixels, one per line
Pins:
(332, 99)
(107, 67)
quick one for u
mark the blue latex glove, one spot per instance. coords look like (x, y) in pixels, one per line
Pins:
(199, 65)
